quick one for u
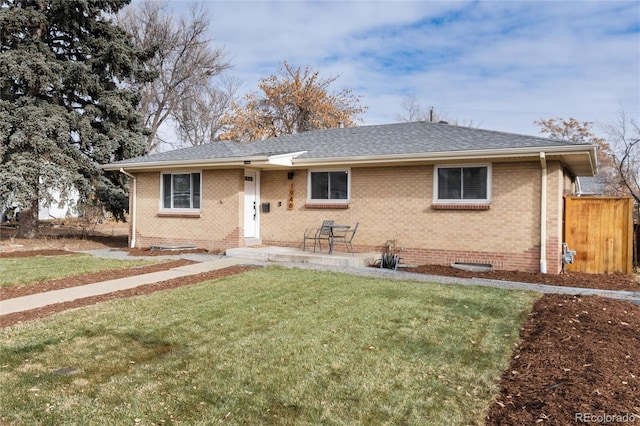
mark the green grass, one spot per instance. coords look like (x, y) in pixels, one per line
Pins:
(272, 346)
(25, 270)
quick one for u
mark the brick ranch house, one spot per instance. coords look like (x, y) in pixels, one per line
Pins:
(445, 193)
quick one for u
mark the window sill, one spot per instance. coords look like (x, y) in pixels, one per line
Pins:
(461, 206)
(195, 214)
(327, 205)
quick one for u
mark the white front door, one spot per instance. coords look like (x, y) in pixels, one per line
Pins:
(250, 204)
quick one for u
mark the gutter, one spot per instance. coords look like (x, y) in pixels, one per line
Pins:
(543, 213)
(578, 187)
(218, 162)
(133, 205)
(469, 155)
(291, 159)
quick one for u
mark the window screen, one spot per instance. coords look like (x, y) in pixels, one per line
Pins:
(332, 185)
(181, 190)
(462, 183)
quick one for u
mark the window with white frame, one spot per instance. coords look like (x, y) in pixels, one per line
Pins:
(329, 185)
(462, 183)
(181, 191)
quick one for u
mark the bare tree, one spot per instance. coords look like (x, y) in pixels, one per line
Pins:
(624, 140)
(184, 57)
(412, 110)
(200, 113)
(575, 131)
(580, 131)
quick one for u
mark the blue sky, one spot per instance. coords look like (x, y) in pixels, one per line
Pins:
(499, 64)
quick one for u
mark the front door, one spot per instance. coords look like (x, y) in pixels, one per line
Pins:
(250, 204)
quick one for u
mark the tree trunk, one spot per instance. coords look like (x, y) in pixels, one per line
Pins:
(28, 221)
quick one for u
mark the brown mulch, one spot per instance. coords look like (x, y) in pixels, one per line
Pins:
(149, 252)
(578, 359)
(570, 279)
(31, 253)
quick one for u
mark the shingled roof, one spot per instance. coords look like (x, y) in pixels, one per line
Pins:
(400, 140)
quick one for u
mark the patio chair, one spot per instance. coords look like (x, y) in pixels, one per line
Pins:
(345, 236)
(317, 235)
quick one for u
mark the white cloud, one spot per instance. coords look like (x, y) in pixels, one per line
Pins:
(502, 64)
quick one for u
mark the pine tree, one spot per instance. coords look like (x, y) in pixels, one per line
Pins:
(66, 104)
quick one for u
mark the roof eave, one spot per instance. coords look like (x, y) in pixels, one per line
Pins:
(199, 163)
(284, 159)
(588, 166)
(584, 159)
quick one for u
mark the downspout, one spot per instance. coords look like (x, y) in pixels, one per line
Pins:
(133, 206)
(543, 213)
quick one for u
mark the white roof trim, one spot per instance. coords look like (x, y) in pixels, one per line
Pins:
(235, 161)
(284, 159)
(456, 155)
(291, 159)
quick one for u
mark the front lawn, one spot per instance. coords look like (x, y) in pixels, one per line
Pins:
(272, 346)
(25, 270)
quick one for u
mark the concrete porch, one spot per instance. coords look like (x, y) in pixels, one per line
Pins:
(296, 255)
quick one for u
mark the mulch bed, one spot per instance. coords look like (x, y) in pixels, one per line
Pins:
(578, 361)
(31, 253)
(570, 279)
(149, 252)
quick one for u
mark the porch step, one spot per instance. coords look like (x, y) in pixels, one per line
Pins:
(248, 242)
(294, 255)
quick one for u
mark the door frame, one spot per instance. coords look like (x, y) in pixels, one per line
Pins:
(253, 228)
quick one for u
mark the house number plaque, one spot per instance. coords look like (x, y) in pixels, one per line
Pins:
(291, 193)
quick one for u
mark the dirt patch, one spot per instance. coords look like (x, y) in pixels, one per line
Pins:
(570, 279)
(60, 242)
(18, 317)
(69, 235)
(577, 362)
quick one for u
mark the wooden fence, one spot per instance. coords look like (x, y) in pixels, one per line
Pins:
(600, 230)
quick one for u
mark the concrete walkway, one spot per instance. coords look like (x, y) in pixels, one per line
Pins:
(629, 296)
(26, 303)
(39, 300)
